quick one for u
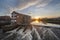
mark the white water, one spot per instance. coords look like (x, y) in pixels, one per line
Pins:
(27, 35)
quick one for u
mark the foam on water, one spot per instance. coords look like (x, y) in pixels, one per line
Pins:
(27, 35)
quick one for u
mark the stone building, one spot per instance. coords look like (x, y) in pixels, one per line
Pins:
(20, 18)
(5, 20)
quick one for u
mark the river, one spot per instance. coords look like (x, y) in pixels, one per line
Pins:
(37, 33)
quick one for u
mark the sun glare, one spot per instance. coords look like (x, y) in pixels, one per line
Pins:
(36, 19)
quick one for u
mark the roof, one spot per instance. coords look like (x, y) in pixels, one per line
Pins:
(19, 13)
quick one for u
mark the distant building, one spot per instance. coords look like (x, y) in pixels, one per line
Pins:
(4, 20)
(20, 18)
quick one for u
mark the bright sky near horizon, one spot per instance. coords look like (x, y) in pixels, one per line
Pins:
(41, 8)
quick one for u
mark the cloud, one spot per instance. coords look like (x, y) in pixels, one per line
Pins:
(12, 5)
(27, 3)
(58, 5)
(43, 3)
(38, 3)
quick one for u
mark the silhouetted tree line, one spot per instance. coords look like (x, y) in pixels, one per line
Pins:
(51, 20)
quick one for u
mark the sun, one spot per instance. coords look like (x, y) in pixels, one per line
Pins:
(36, 19)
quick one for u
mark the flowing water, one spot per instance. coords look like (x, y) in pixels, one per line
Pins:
(37, 33)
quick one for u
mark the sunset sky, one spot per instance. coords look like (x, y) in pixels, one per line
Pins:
(41, 8)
